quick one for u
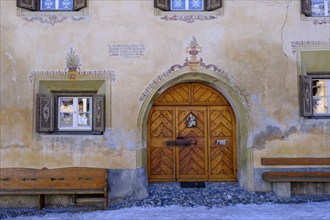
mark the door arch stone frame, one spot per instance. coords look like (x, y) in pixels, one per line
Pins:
(235, 97)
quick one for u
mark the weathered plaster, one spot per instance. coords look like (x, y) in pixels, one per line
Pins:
(311, 140)
(20, 133)
(57, 151)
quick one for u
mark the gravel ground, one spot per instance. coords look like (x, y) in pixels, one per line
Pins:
(214, 195)
(167, 194)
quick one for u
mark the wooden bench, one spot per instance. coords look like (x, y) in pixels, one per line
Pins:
(61, 181)
(295, 161)
(281, 181)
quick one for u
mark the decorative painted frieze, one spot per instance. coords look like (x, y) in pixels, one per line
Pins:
(296, 44)
(188, 18)
(52, 19)
(324, 21)
(72, 71)
(91, 74)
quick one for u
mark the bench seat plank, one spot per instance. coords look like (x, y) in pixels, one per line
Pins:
(324, 161)
(296, 176)
(49, 192)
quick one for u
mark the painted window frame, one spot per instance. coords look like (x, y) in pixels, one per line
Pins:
(308, 95)
(209, 5)
(74, 113)
(307, 8)
(48, 111)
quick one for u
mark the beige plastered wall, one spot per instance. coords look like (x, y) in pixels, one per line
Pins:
(250, 40)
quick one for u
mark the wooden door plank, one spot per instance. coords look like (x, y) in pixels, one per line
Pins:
(222, 136)
(161, 158)
(177, 95)
(192, 160)
(205, 95)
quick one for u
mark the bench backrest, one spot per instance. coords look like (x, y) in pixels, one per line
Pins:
(78, 178)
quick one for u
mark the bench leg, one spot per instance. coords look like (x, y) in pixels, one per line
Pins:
(105, 201)
(282, 189)
(41, 201)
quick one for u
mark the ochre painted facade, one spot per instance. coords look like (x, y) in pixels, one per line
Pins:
(252, 53)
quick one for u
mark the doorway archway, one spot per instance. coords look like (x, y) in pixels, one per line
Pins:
(234, 96)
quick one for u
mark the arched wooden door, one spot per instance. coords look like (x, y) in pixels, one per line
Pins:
(191, 135)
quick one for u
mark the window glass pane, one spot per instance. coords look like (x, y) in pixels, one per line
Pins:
(66, 120)
(196, 4)
(66, 105)
(84, 120)
(320, 105)
(84, 116)
(66, 112)
(321, 96)
(84, 104)
(320, 7)
(75, 113)
(48, 5)
(191, 5)
(65, 5)
(56, 5)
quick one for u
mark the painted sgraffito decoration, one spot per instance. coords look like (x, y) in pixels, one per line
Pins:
(192, 63)
(191, 121)
(72, 64)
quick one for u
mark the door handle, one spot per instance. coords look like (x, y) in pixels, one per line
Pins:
(181, 143)
(170, 143)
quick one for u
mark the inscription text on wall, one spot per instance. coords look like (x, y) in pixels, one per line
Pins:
(127, 50)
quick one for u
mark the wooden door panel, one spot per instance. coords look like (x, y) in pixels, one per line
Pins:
(177, 95)
(161, 163)
(205, 152)
(192, 160)
(222, 156)
(205, 95)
